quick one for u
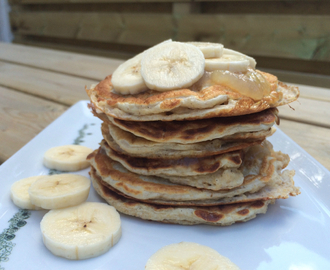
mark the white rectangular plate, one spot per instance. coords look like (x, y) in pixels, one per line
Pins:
(294, 234)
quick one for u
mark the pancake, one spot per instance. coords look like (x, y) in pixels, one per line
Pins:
(282, 190)
(178, 167)
(126, 143)
(186, 104)
(196, 172)
(186, 132)
(214, 215)
(263, 167)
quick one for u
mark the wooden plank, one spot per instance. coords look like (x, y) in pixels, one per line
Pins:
(300, 78)
(123, 28)
(309, 111)
(287, 36)
(314, 93)
(90, 67)
(134, 7)
(265, 7)
(22, 117)
(60, 88)
(110, 50)
(134, 1)
(91, 1)
(314, 140)
(179, 7)
(309, 72)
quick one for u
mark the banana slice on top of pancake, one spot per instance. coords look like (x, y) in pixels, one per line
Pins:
(173, 65)
(209, 49)
(127, 78)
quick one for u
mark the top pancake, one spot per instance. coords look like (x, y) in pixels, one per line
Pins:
(186, 104)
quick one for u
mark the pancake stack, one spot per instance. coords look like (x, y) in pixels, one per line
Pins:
(195, 154)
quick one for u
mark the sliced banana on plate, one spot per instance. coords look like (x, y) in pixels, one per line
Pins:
(81, 232)
(172, 65)
(67, 158)
(210, 50)
(19, 193)
(233, 63)
(59, 191)
(188, 255)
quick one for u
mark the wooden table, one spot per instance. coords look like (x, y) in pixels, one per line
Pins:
(37, 85)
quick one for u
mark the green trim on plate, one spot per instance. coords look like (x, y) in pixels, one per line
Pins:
(17, 221)
(6, 237)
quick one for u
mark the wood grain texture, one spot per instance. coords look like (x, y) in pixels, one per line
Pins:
(314, 140)
(22, 117)
(91, 1)
(86, 66)
(315, 93)
(309, 111)
(286, 36)
(301, 79)
(63, 89)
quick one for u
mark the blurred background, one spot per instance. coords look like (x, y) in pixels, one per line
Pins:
(287, 38)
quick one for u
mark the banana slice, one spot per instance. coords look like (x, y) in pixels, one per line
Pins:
(127, 78)
(81, 232)
(210, 50)
(187, 255)
(252, 61)
(233, 63)
(19, 193)
(67, 158)
(172, 65)
(59, 191)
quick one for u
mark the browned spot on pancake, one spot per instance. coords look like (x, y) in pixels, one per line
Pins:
(243, 212)
(128, 189)
(258, 204)
(170, 104)
(236, 159)
(191, 133)
(206, 168)
(208, 216)
(160, 207)
(226, 209)
(141, 162)
(131, 203)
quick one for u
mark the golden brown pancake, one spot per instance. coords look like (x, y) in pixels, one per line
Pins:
(211, 215)
(178, 167)
(262, 171)
(214, 172)
(186, 104)
(126, 143)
